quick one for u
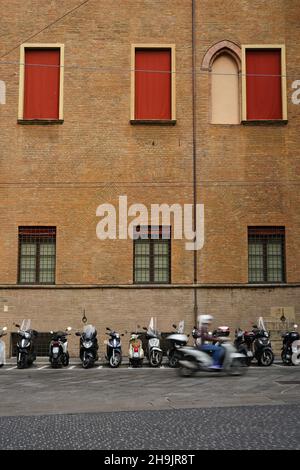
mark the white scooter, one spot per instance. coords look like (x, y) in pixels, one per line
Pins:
(193, 360)
(176, 340)
(136, 352)
(154, 351)
(3, 332)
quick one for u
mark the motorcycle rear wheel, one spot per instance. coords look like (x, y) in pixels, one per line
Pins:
(22, 364)
(285, 360)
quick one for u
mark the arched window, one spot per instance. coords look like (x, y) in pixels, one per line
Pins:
(223, 63)
(225, 102)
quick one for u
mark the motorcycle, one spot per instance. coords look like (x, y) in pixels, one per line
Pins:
(255, 344)
(136, 352)
(58, 348)
(113, 348)
(194, 360)
(154, 351)
(3, 332)
(88, 346)
(290, 354)
(26, 354)
(177, 340)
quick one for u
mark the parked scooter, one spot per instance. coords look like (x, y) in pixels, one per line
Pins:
(136, 352)
(291, 347)
(194, 360)
(255, 344)
(58, 348)
(88, 346)
(26, 354)
(3, 332)
(114, 348)
(177, 340)
(154, 351)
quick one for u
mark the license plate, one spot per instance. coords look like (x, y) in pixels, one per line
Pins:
(135, 354)
(55, 350)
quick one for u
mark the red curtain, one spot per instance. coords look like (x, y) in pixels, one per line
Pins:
(153, 88)
(41, 88)
(264, 97)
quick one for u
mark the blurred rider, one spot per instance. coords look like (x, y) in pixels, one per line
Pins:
(204, 340)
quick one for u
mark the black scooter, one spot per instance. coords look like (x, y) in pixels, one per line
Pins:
(290, 354)
(58, 348)
(88, 346)
(176, 341)
(26, 354)
(113, 348)
(255, 344)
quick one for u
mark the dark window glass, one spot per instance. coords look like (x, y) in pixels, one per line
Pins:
(266, 254)
(37, 247)
(152, 256)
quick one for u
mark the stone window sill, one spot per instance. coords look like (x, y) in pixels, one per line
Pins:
(153, 122)
(41, 122)
(265, 122)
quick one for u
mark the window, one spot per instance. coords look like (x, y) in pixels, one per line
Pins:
(41, 83)
(37, 255)
(225, 103)
(266, 246)
(264, 83)
(153, 85)
(152, 255)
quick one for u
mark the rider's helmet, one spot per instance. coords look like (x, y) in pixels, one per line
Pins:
(205, 320)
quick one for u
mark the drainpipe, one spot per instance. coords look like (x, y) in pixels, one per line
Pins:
(194, 96)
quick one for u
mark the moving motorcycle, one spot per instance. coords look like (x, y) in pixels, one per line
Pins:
(177, 340)
(58, 348)
(3, 332)
(26, 354)
(194, 360)
(136, 352)
(154, 351)
(255, 344)
(290, 354)
(88, 346)
(113, 348)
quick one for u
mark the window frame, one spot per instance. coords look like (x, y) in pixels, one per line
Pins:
(151, 242)
(282, 47)
(23, 48)
(171, 121)
(265, 239)
(37, 256)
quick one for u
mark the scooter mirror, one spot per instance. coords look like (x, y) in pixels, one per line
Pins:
(122, 334)
(295, 326)
(77, 333)
(174, 326)
(69, 328)
(17, 325)
(144, 328)
(108, 329)
(51, 332)
(4, 329)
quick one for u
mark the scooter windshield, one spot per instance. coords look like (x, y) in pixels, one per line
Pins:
(89, 331)
(25, 325)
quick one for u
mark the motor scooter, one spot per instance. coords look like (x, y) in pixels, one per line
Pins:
(58, 348)
(88, 346)
(176, 340)
(154, 351)
(290, 354)
(136, 352)
(26, 354)
(113, 348)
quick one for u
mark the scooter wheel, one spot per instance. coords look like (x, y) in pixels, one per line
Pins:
(155, 359)
(114, 362)
(185, 371)
(266, 359)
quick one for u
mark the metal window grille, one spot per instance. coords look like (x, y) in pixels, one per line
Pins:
(152, 255)
(37, 254)
(41, 344)
(266, 254)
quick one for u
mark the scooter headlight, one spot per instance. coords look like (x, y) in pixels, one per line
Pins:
(87, 344)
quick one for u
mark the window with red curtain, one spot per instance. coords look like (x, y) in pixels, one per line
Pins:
(41, 87)
(263, 84)
(153, 84)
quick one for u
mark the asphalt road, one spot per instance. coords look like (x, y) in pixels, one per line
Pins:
(149, 409)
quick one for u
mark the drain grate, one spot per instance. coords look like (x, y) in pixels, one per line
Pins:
(288, 382)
